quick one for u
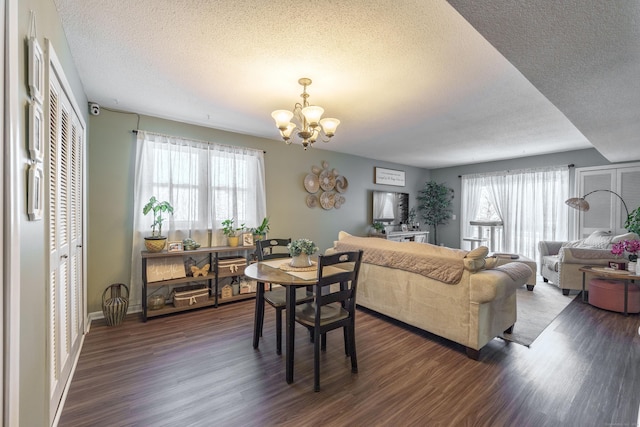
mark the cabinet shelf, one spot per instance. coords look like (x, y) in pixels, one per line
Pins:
(214, 255)
(181, 280)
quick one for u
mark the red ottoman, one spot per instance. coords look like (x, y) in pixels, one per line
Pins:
(609, 294)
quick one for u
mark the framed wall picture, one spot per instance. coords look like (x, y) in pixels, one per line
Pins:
(247, 239)
(36, 132)
(35, 192)
(36, 70)
(176, 246)
(389, 177)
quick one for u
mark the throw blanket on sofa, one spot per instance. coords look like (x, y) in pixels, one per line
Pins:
(436, 262)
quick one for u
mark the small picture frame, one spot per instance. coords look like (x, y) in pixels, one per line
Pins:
(36, 132)
(36, 70)
(35, 192)
(175, 246)
(247, 239)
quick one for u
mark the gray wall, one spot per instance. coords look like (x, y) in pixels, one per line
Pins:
(34, 399)
(449, 234)
(111, 164)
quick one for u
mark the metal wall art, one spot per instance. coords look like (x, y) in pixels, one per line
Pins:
(326, 187)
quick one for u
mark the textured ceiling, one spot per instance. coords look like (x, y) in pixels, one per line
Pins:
(412, 81)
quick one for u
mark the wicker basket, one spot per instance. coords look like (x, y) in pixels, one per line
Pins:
(233, 266)
(190, 295)
(155, 245)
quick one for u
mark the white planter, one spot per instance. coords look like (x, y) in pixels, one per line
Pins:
(632, 266)
(637, 268)
(301, 260)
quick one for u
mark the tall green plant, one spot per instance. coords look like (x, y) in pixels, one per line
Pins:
(434, 204)
(632, 223)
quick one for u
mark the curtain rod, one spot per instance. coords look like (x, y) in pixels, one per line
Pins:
(508, 170)
(135, 132)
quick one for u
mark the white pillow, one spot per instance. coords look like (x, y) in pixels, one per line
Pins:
(626, 236)
(599, 239)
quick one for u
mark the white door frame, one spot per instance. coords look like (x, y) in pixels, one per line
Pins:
(10, 216)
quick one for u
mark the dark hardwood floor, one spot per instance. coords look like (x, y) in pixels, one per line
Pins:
(199, 369)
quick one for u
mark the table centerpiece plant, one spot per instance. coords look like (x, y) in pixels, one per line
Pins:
(300, 250)
(630, 247)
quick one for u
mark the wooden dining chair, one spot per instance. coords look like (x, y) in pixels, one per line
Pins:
(273, 249)
(333, 306)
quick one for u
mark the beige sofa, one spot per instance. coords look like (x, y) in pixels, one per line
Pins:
(560, 262)
(448, 292)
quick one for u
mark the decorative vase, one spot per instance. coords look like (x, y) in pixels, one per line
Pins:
(115, 307)
(632, 266)
(155, 244)
(301, 260)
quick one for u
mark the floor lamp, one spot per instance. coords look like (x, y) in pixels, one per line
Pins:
(581, 204)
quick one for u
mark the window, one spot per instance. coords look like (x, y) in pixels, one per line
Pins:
(529, 203)
(206, 183)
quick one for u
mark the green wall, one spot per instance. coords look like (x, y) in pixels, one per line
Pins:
(111, 166)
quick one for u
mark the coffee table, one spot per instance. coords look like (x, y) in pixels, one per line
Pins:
(609, 273)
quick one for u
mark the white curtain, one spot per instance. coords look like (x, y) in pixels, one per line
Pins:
(529, 202)
(205, 183)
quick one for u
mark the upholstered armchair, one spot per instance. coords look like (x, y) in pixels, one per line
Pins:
(560, 261)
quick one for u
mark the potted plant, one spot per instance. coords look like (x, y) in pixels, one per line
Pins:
(300, 250)
(632, 223)
(260, 232)
(434, 203)
(378, 226)
(231, 232)
(156, 242)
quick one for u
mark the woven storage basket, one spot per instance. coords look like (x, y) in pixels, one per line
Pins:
(190, 295)
(231, 266)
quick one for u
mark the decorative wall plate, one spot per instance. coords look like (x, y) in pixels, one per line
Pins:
(338, 201)
(327, 200)
(311, 183)
(341, 184)
(316, 170)
(312, 201)
(327, 180)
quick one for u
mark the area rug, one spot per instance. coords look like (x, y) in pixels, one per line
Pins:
(536, 311)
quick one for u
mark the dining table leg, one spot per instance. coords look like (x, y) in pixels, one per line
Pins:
(290, 331)
(259, 314)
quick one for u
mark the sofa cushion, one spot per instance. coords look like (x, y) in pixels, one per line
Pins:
(598, 239)
(476, 259)
(551, 262)
(622, 237)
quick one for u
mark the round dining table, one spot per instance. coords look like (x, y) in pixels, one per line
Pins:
(269, 272)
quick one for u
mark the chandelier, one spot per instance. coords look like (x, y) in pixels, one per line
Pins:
(309, 126)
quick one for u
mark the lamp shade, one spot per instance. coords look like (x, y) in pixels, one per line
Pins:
(578, 203)
(282, 118)
(313, 113)
(329, 126)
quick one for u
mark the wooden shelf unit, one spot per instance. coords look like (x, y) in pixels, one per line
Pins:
(212, 278)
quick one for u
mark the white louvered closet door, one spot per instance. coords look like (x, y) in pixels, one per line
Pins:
(65, 225)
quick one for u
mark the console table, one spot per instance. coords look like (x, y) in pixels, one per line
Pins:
(408, 236)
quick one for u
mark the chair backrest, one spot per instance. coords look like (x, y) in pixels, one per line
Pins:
(345, 269)
(272, 249)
